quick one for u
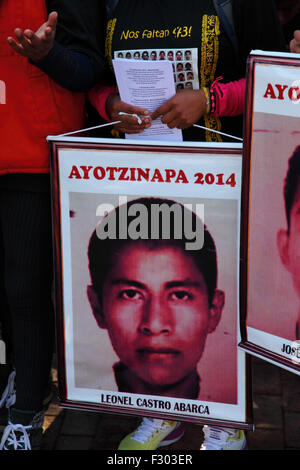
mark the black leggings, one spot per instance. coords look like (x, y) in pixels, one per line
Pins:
(27, 273)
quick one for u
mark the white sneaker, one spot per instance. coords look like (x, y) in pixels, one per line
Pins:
(223, 439)
(21, 437)
(151, 434)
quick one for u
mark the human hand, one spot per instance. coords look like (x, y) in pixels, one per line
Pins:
(295, 43)
(129, 124)
(36, 45)
(183, 109)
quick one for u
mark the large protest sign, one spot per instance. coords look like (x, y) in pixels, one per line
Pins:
(147, 249)
(271, 278)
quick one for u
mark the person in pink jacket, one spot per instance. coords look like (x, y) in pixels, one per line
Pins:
(216, 101)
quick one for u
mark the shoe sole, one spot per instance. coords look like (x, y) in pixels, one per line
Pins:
(245, 447)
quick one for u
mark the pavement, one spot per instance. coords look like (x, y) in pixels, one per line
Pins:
(276, 406)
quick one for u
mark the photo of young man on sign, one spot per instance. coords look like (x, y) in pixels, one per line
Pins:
(155, 303)
(273, 275)
(288, 239)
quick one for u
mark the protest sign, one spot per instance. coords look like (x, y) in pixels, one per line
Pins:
(270, 234)
(147, 249)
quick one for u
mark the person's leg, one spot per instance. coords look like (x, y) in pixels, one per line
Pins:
(154, 433)
(25, 219)
(7, 394)
(5, 323)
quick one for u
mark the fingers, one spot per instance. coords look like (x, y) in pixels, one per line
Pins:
(50, 25)
(170, 115)
(162, 110)
(128, 130)
(52, 21)
(28, 42)
(128, 108)
(115, 106)
(16, 46)
(24, 45)
(171, 119)
(182, 110)
(295, 42)
(294, 46)
(22, 39)
(123, 112)
(130, 124)
(297, 35)
(35, 45)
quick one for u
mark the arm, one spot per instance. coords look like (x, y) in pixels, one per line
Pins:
(186, 107)
(228, 99)
(66, 46)
(70, 69)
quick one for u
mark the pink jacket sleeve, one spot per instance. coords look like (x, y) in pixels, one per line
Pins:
(229, 98)
(98, 96)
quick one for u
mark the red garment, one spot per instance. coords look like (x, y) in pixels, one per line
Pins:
(98, 96)
(32, 106)
(230, 98)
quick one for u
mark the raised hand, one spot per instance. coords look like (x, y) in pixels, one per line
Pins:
(36, 45)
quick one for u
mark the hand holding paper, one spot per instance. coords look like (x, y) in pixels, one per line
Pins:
(120, 111)
(183, 109)
(146, 86)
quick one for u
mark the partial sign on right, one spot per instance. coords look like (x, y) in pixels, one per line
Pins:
(270, 240)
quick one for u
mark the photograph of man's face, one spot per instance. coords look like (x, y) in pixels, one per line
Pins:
(274, 253)
(150, 315)
(156, 308)
(157, 300)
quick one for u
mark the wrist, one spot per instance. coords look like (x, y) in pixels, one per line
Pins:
(206, 93)
(46, 57)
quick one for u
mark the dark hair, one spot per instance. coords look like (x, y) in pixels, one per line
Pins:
(101, 251)
(291, 183)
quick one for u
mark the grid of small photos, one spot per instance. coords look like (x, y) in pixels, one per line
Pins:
(184, 63)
